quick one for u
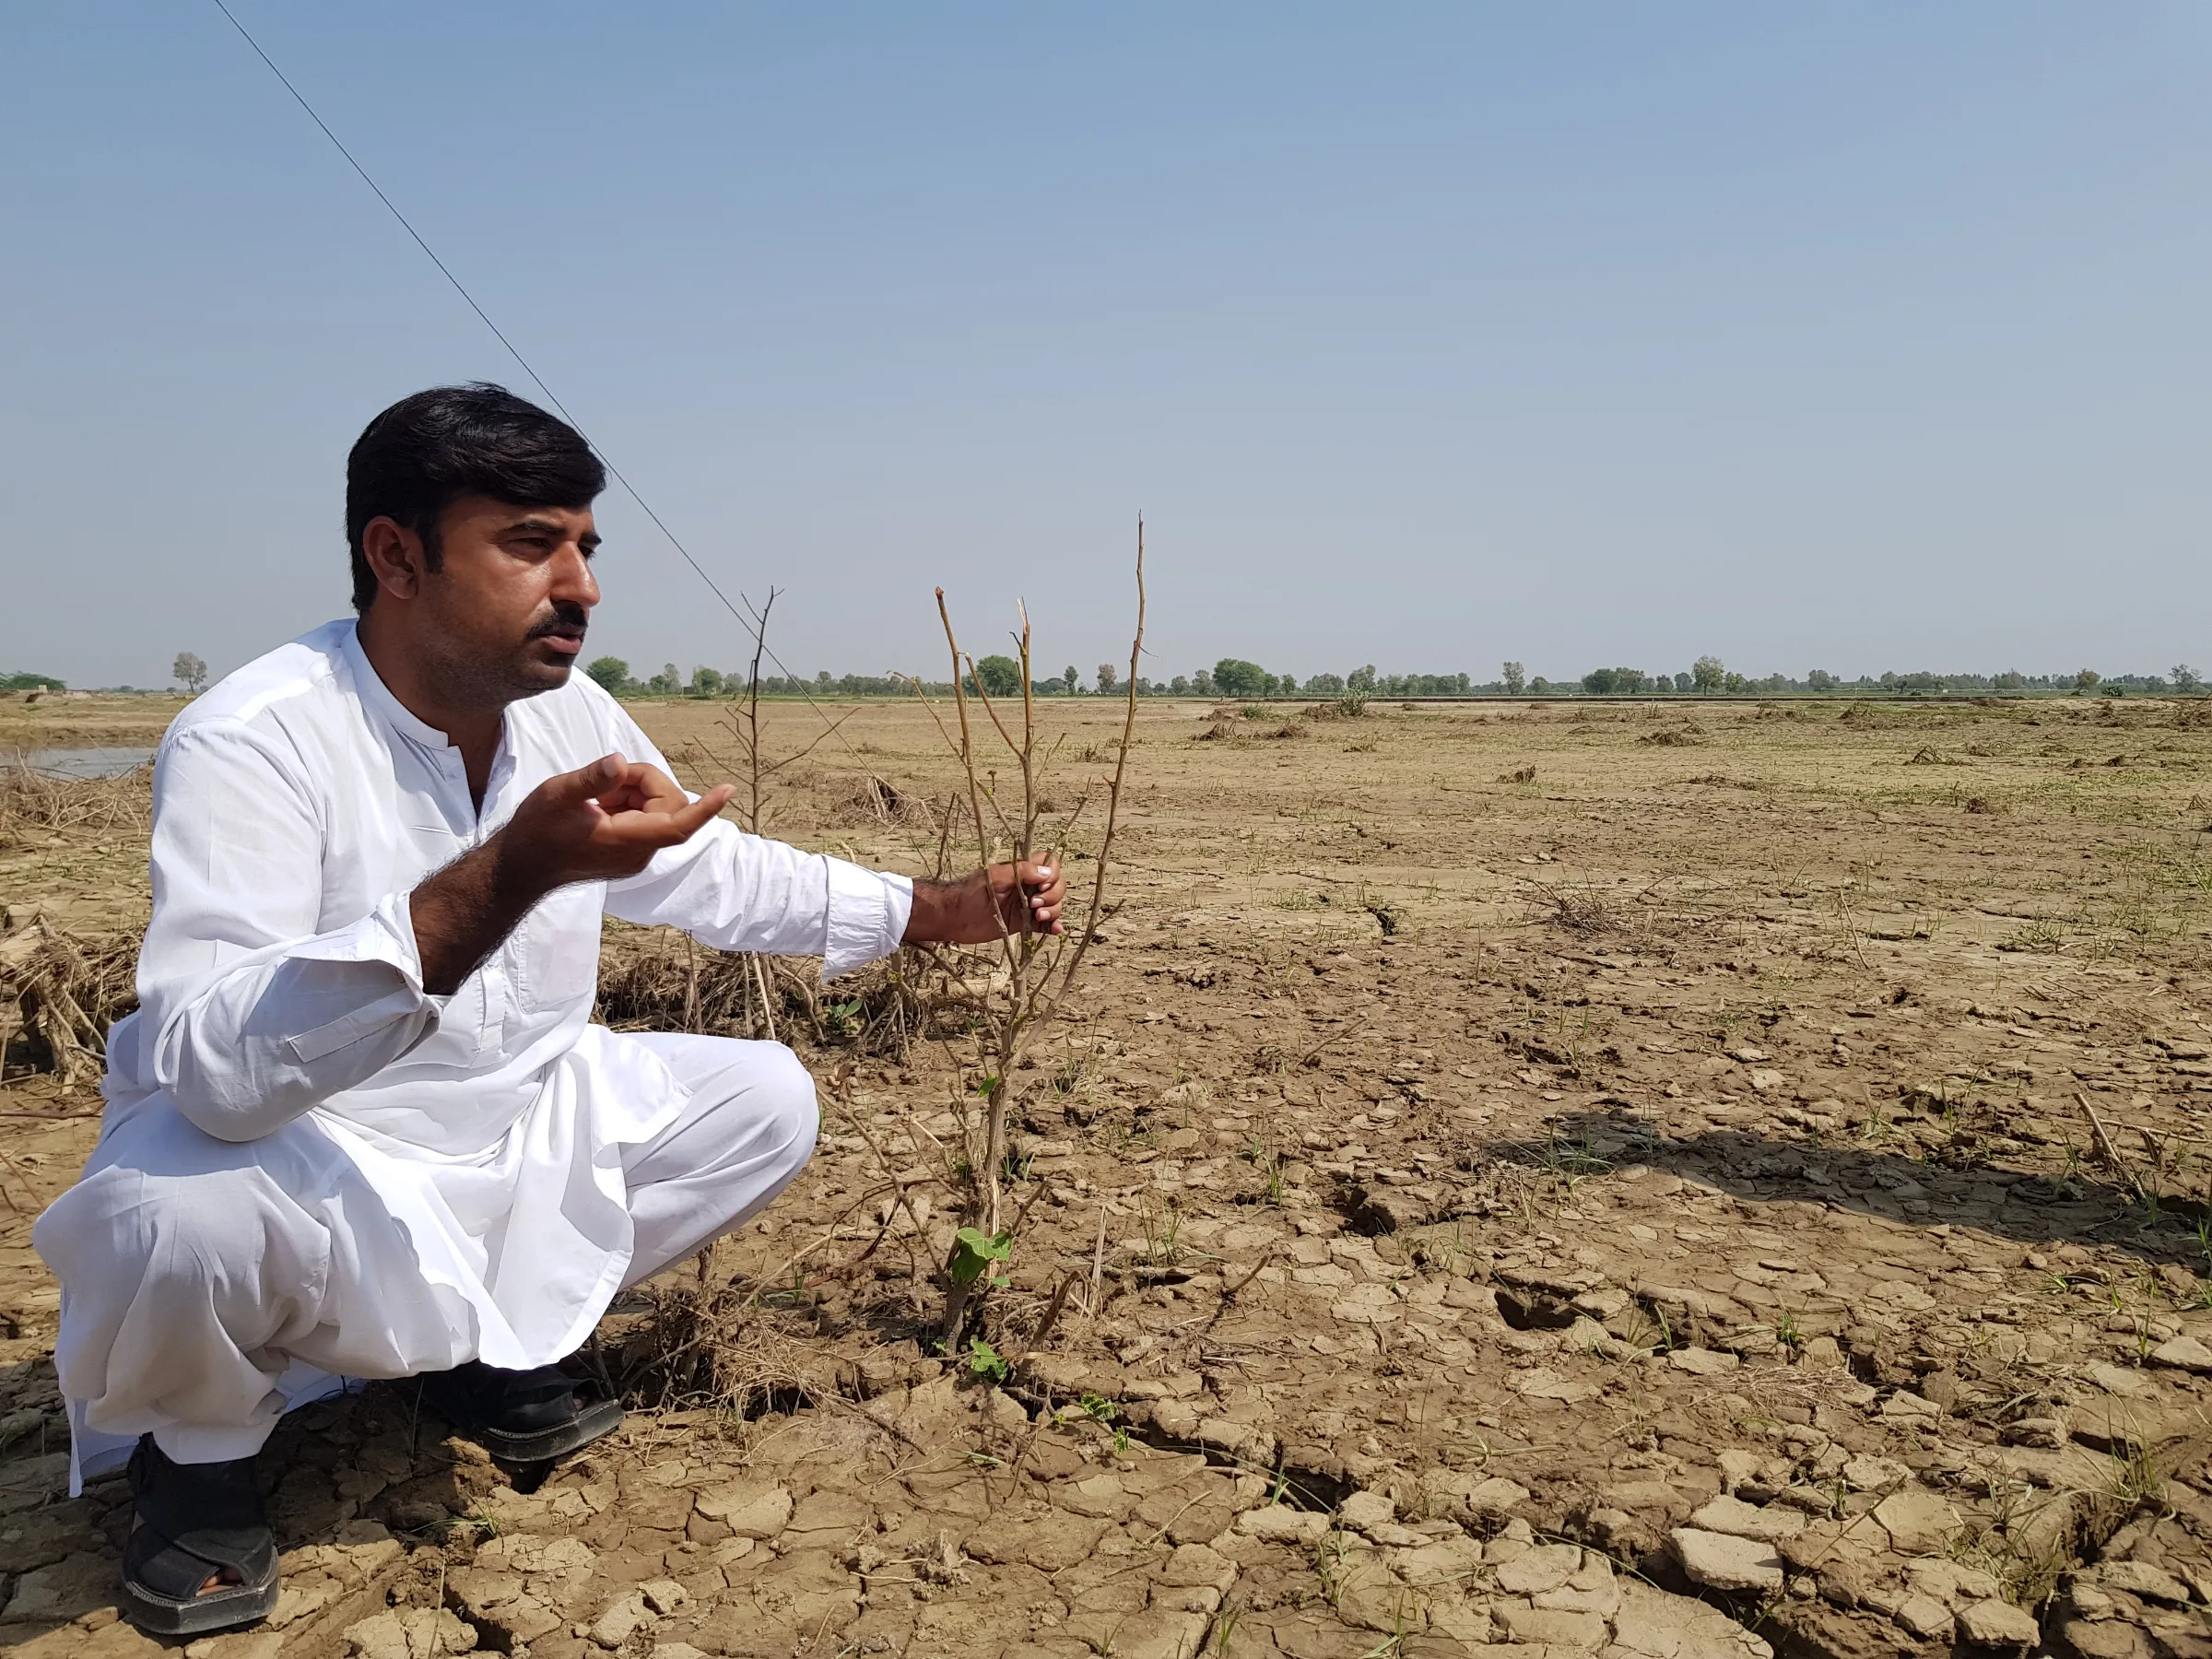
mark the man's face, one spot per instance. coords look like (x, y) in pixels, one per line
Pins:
(504, 616)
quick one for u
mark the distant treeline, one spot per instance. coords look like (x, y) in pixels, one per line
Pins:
(1236, 678)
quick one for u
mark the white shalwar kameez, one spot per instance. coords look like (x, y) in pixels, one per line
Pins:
(310, 1167)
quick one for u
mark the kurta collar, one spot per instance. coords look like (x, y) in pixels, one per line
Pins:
(377, 696)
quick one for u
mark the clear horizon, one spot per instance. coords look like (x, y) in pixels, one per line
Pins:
(1864, 340)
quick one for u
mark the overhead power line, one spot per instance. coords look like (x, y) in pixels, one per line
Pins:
(749, 616)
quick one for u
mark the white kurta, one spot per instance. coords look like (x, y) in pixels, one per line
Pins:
(296, 806)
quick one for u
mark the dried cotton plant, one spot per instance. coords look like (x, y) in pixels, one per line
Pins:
(1008, 819)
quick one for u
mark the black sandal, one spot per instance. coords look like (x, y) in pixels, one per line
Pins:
(529, 1417)
(192, 1522)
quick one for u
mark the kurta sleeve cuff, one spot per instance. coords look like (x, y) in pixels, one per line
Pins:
(869, 912)
(385, 935)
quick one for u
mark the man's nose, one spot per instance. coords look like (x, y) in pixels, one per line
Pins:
(573, 581)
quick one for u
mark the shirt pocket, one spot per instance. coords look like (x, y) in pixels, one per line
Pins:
(556, 948)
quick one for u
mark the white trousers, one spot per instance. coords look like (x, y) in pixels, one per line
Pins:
(196, 1273)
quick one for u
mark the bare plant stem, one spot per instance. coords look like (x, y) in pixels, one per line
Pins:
(1030, 960)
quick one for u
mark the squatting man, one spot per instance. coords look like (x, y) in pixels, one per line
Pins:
(361, 1124)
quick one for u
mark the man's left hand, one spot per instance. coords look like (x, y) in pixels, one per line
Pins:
(976, 910)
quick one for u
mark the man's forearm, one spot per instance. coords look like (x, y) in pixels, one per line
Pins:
(989, 905)
(463, 913)
(941, 908)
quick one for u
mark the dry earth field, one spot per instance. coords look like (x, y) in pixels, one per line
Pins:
(1520, 1180)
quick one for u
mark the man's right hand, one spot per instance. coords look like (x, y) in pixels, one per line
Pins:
(600, 823)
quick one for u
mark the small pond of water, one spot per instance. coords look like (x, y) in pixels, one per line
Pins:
(86, 763)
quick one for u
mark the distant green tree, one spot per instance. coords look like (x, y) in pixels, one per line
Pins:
(707, 682)
(667, 682)
(1202, 682)
(1707, 674)
(1109, 678)
(2087, 679)
(611, 672)
(2012, 680)
(1325, 685)
(1821, 679)
(31, 682)
(1179, 686)
(1000, 676)
(1599, 682)
(189, 672)
(1516, 679)
(1233, 677)
(1733, 682)
(1683, 682)
(2186, 678)
(1361, 679)
(1070, 678)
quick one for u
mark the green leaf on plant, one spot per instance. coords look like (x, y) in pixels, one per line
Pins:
(974, 1252)
(986, 1361)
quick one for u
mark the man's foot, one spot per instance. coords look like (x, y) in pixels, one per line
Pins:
(531, 1416)
(199, 1557)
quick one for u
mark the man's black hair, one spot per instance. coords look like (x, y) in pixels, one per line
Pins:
(426, 452)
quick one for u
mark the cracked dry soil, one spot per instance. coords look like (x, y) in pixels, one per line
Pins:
(1736, 1189)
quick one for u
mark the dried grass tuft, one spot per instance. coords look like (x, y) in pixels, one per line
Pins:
(1587, 912)
(1352, 706)
(63, 992)
(876, 801)
(31, 802)
(661, 981)
(689, 1343)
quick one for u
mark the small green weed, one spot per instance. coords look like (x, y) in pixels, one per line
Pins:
(984, 1360)
(975, 1255)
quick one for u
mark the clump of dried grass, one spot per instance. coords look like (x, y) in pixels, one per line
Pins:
(1688, 737)
(31, 802)
(661, 982)
(63, 991)
(688, 1342)
(1588, 913)
(872, 800)
(1352, 706)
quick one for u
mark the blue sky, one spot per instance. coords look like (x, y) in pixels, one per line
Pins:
(1851, 336)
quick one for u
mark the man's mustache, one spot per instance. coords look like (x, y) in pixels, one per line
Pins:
(567, 618)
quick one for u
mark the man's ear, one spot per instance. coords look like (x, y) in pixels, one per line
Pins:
(395, 556)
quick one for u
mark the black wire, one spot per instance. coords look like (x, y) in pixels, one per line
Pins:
(537, 380)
